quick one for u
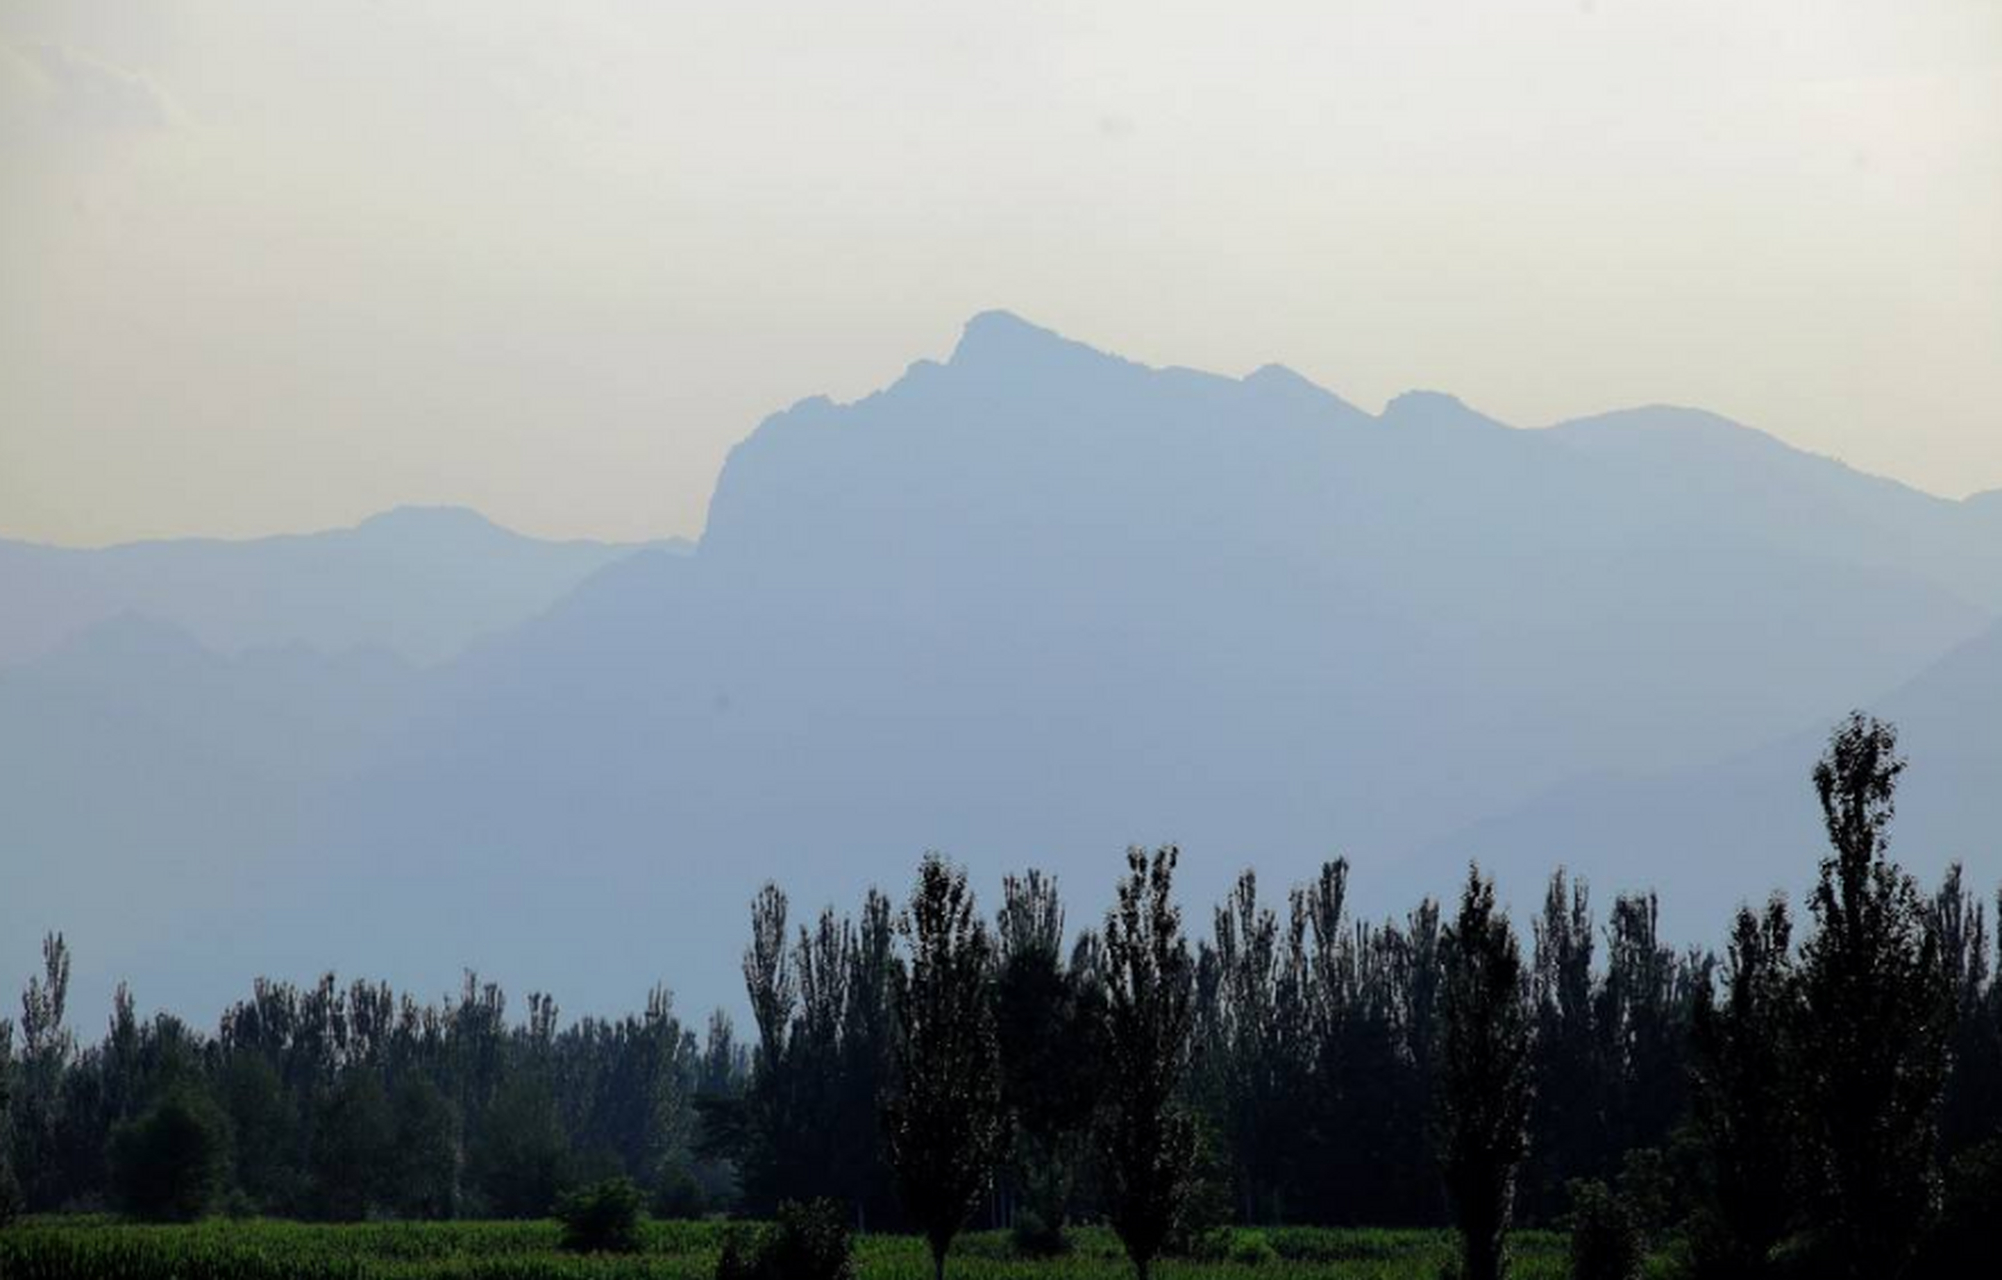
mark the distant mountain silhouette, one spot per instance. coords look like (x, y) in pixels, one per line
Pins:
(1034, 603)
(421, 581)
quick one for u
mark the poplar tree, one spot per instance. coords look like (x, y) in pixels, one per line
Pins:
(1876, 1012)
(944, 1119)
(1742, 1100)
(1148, 1140)
(1485, 1089)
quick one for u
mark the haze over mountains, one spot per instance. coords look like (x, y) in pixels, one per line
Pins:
(1028, 605)
(422, 583)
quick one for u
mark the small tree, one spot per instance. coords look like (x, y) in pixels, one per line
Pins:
(1148, 1142)
(944, 1120)
(1876, 1014)
(601, 1218)
(1485, 1084)
(804, 1242)
(169, 1163)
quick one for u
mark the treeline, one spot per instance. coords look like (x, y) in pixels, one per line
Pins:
(1835, 1097)
(343, 1102)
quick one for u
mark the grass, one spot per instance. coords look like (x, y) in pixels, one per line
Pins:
(81, 1248)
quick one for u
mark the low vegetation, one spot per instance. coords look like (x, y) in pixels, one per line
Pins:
(78, 1248)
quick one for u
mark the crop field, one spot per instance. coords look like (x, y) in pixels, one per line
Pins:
(220, 1249)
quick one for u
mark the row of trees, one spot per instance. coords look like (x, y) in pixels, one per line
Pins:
(346, 1102)
(927, 1067)
(1781, 1101)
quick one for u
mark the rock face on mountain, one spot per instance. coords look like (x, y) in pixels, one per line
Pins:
(1035, 602)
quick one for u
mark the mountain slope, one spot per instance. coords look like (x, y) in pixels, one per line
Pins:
(1033, 603)
(423, 582)
(1733, 830)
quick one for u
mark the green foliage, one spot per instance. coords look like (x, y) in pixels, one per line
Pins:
(422, 1176)
(94, 1249)
(1251, 1249)
(601, 1218)
(1606, 1240)
(1034, 1236)
(805, 1242)
(520, 1162)
(168, 1165)
(353, 1143)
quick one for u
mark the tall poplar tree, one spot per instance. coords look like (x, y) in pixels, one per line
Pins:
(944, 1117)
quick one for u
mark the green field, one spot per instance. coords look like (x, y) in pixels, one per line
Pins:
(104, 1249)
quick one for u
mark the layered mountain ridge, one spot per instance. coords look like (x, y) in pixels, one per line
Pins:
(1030, 604)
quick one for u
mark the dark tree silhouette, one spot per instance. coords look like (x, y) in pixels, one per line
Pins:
(1568, 1121)
(867, 1062)
(169, 1164)
(1742, 1105)
(47, 1048)
(10, 1186)
(1876, 1011)
(1485, 1090)
(1148, 1142)
(944, 1117)
(1048, 1028)
(1973, 1108)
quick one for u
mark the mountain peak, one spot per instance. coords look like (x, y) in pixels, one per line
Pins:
(1004, 338)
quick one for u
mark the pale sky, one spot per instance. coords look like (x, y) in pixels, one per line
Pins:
(272, 267)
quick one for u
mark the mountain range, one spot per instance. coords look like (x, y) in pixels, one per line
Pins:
(1026, 605)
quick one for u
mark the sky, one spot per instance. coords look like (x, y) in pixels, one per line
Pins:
(277, 267)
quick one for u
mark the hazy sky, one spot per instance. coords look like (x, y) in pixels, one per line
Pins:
(277, 266)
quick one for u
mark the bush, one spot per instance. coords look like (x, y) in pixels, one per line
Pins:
(168, 1164)
(1605, 1236)
(602, 1218)
(1252, 1249)
(1034, 1237)
(805, 1242)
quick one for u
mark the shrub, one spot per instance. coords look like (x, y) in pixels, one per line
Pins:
(601, 1218)
(805, 1242)
(1605, 1237)
(1033, 1236)
(1252, 1249)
